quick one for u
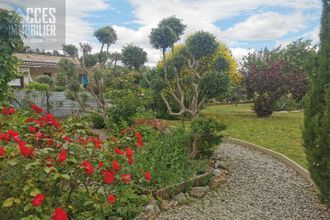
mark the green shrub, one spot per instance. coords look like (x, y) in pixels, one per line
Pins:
(286, 103)
(97, 121)
(45, 79)
(204, 137)
(167, 156)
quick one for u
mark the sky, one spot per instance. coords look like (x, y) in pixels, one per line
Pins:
(243, 25)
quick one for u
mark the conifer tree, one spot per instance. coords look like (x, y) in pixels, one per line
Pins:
(317, 113)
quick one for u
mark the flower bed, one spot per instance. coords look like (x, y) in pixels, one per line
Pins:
(47, 172)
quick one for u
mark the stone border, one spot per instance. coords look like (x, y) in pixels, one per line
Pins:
(169, 191)
(278, 156)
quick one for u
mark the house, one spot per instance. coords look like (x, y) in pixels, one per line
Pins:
(33, 65)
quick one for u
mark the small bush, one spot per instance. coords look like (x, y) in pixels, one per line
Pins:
(167, 157)
(97, 121)
(204, 136)
(286, 103)
(45, 79)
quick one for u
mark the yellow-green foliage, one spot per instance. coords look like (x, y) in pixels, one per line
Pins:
(207, 63)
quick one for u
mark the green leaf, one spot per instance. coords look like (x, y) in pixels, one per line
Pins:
(48, 169)
(88, 203)
(34, 192)
(27, 207)
(66, 176)
(8, 202)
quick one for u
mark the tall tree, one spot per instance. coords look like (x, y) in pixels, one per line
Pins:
(106, 36)
(317, 113)
(133, 57)
(70, 50)
(10, 41)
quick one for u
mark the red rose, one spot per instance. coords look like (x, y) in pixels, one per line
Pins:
(114, 140)
(8, 111)
(139, 141)
(119, 151)
(100, 164)
(50, 142)
(67, 138)
(2, 151)
(108, 176)
(89, 169)
(115, 165)
(25, 151)
(126, 178)
(148, 176)
(38, 199)
(36, 108)
(62, 156)
(12, 133)
(111, 199)
(130, 160)
(60, 214)
(5, 137)
(123, 131)
(129, 152)
(32, 129)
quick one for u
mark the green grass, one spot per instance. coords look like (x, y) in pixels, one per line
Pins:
(281, 132)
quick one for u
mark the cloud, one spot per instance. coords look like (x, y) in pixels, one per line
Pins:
(239, 53)
(203, 14)
(265, 26)
(77, 28)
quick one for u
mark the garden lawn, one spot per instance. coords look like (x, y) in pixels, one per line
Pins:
(281, 132)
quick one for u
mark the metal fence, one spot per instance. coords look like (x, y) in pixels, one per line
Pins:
(57, 102)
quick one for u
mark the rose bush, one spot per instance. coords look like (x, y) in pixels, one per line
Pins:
(48, 173)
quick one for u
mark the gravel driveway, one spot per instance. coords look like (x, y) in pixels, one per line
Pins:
(259, 188)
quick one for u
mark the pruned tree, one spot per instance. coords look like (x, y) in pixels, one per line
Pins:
(70, 50)
(198, 46)
(133, 57)
(92, 66)
(106, 36)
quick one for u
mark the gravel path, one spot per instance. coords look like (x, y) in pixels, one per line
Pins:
(259, 188)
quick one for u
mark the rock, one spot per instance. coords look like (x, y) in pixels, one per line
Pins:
(173, 204)
(217, 172)
(219, 164)
(164, 205)
(151, 211)
(218, 181)
(180, 197)
(199, 192)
